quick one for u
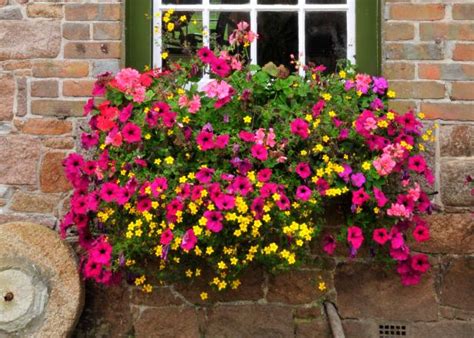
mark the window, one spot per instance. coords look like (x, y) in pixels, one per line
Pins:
(319, 31)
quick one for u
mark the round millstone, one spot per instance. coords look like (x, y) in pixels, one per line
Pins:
(41, 292)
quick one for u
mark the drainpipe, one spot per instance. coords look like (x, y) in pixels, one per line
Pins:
(334, 320)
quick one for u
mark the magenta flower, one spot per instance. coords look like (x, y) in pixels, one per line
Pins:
(381, 236)
(214, 220)
(407, 274)
(380, 85)
(420, 263)
(246, 136)
(329, 244)
(143, 204)
(417, 163)
(257, 207)
(92, 269)
(421, 233)
(206, 55)
(158, 186)
(303, 193)
(101, 252)
(283, 203)
(166, 237)
(221, 141)
(398, 210)
(359, 197)
(125, 113)
(205, 140)
(259, 152)
(89, 140)
(346, 173)
(189, 240)
(169, 119)
(242, 185)
(220, 67)
(204, 175)
(358, 179)
(384, 164)
(131, 133)
(300, 127)
(264, 175)
(109, 191)
(303, 170)
(225, 202)
(380, 198)
(318, 108)
(355, 237)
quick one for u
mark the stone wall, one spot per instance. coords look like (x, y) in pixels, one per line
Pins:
(50, 52)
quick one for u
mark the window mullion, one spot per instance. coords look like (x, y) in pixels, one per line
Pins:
(301, 36)
(206, 23)
(351, 30)
(253, 27)
(157, 26)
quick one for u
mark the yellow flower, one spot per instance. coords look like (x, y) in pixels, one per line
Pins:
(247, 119)
(421, 115)
(325, 139)
(390, 115)
(322, 286)
(164, 55)
(391, 94)
(366, 165)
(204, 295)
(147, 136)
(382, 124)
(147, 288)
(327, 96)
(221, 265)
(342, 74)
(209, 250)
(157, 161)
(303, 153)
(169, 160)
(332, 113)
(170, 26)
(182, 18)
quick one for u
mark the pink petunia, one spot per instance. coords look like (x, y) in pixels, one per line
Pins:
(384, 165)
(300, 127)
(131, 133)
(221, 141)
(380, 198)
(303, 193)
(303, 170)
(214, 220)
(166, 237)
(358, 179)
(264, 175)
(259, 152)
(421, 233)
(101, 252)
(204, 175)
(189, 240)
(108, 192)
(242, 185)
(420, 263)
(220, 67)
(359, 197)
(417, 163)
(398, 210)
(329, 244)
(225, 202)
(205, 140)
(381, 236)
(355, 237)
(206, 55)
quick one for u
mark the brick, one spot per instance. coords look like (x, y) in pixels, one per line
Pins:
(52, 177)
(78, 87)
(448, 111)
(456, 140)
(92, 50)
(20, 156)
(44, 88)
(401, 105)
(463, 52)
(250, 321)
(102, 66)
(418, 89)
(57, 108)
(59, 142)
(454, 192)
(51, 11)
(296, 287)
(399, 70)
(395, 31)
(449, 71)
(107, 31)
(162, 322)
(445, 328)
(463, 11)
(449, 234)
(61, 68)
(314, 328)
(76, 31)
(409, 51)
(10, 13)
(44, 126)
(462, 91)
(380, 294)
(447, 31)
(17, 64)
(161, 296)
(417, 12)
(457, 286)
(21, 96)
(7, 94)
(37, 203)
(93, 12)
(22, 39)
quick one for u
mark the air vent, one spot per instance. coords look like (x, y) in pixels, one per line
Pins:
(391, 331)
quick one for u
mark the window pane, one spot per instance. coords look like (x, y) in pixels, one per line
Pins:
(326, 38)
(327, 2)
(223, 23)
(278, 33)
(184, 37)
(273, 2)
(182, 2)
(229, 2)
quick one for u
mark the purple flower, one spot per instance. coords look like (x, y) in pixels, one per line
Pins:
(380, 85)
(358, 180)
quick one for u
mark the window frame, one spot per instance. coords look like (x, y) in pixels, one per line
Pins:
(140, 22)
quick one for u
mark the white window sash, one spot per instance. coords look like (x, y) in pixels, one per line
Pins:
(253, 8)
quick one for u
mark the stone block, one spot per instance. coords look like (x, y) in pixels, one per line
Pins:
(7, 95)
(457, 140)
(458, 283)
(20, 157)
(52, 177)
(454, 191)
(37, 203)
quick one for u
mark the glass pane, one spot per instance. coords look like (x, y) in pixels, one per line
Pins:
(278, 40)
(326, 38)
(223, 23)
(273, 2)
(181, 35)
(229, 2)
(182, 2)
(326, 2)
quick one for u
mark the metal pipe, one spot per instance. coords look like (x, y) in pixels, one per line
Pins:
(334, 320)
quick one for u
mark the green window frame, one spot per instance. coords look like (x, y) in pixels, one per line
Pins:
(139, 34)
